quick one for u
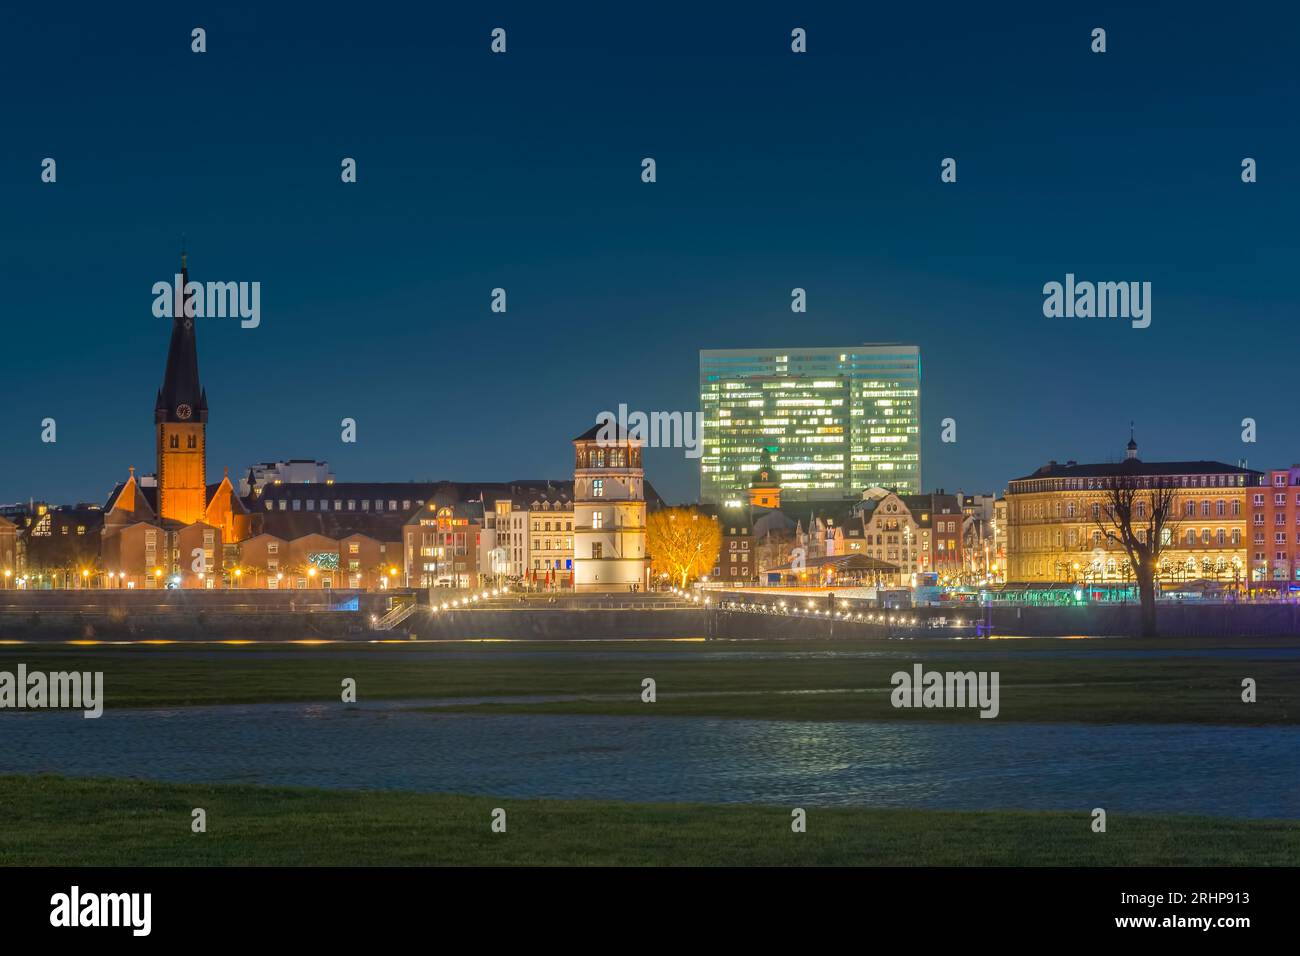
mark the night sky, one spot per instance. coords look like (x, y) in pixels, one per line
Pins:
(523, 171)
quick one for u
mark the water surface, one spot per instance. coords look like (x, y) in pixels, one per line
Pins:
(983, 764)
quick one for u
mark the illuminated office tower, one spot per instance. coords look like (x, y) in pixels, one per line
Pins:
(835, 421)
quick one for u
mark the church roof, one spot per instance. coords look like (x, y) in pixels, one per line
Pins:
(132, 497)
(237, 505)
(129, 496)
(181, 397)
(766, 476)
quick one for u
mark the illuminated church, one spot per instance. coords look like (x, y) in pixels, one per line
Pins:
(171, 528)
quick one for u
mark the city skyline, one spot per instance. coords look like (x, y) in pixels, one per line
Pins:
(698, 436)
(376, 294)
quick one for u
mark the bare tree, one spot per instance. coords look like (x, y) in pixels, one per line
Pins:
(1143, 521)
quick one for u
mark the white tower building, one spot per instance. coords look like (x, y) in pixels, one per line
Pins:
(609, 514)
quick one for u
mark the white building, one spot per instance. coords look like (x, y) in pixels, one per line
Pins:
(609, 512)
(528, 537)
(295, 471)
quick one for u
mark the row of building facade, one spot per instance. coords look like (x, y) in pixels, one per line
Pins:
(808, 455)
(914, 538)
(290, 524)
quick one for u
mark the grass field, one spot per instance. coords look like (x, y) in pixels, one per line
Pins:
(59, 821)
(54, 821)
(723, 679)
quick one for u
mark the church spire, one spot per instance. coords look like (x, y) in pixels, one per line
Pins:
(181, 398)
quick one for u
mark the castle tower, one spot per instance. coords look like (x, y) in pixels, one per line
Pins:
(609, 513)
(180, 419)
(765, 486)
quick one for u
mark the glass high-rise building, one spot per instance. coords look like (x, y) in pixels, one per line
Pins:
(836, 420)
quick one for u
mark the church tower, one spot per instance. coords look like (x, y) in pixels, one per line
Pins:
(180, 419)
(765, 486)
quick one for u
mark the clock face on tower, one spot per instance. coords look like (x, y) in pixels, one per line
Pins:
(183, 412)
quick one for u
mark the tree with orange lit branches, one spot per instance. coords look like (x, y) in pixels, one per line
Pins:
(683, 543)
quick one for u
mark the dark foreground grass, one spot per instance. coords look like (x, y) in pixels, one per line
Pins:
(1101, 681)
(55, 821)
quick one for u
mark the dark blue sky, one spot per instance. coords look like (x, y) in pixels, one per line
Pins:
(522, 171)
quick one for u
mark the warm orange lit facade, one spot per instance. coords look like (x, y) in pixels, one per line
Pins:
(198, 551)
(1057, 532)
(442, 546)
(263, 561)
(357, 562)
(369, 564)
(226, 510)
(182, 462)
(137, 556)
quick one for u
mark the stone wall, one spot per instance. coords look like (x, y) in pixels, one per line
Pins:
(560, 624)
